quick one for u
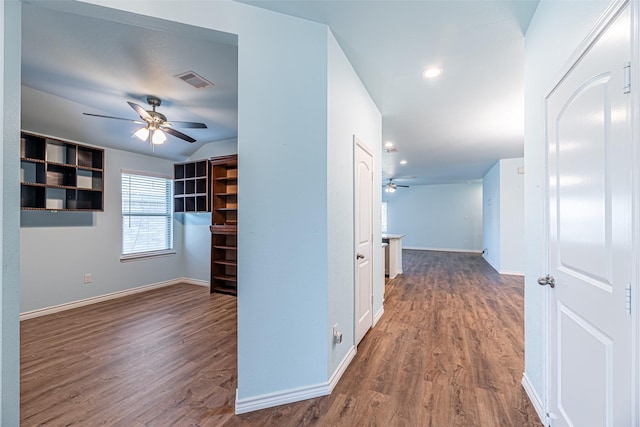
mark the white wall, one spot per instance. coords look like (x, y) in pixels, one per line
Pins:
(555, 32)
(491, 216)
(503, 216)
(196, 254)
(444, 217)
(58, 248)
(351, 111)
(9, 218)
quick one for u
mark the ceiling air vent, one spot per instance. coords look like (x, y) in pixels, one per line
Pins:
(194, 79)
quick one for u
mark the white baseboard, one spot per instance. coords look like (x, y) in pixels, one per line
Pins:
(419, 248)
(378, 315)
(512, 273)
(113, 295)
(534, 398)
(491, 263)
(346, 361)
(270, 400)
(196, 282)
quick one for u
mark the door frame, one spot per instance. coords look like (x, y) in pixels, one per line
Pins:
(358, 143)
(607, 17)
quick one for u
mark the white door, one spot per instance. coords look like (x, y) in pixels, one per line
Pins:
(363, 200)
(590, 212)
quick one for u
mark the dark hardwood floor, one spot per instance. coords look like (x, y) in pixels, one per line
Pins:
(447, 352)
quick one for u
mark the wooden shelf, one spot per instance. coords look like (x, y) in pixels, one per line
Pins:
(58, 175)
(226, 278)
(226, 248)
(226, 262)
(224, 228)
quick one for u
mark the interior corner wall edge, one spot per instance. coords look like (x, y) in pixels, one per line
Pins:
(491, 216)
(10, 30)
(563, 26)
(196, 254)
(511, 216)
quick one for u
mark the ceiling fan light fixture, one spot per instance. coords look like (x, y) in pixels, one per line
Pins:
(390, 188)
(431, 73)
(142, 134)
(158, 137)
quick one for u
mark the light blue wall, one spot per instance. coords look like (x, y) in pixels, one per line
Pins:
(10, 17)
(503, 216)
(557, 28)
(351, 112)
(58, 248)
(491, 216)
(284, 185)
(437, 217)
(196, 254)
(511, 216)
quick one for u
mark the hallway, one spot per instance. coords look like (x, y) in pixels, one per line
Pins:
(448, 351)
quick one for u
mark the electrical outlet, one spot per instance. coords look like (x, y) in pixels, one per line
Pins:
(337, 335)
(88, 278)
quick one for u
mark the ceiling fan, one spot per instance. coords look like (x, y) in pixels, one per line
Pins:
(392, 186)
(155, 123)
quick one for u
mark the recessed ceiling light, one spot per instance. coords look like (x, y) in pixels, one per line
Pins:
(388, 144)
(403, 162)
(430, 73)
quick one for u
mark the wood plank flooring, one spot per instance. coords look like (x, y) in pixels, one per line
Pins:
(447, 352)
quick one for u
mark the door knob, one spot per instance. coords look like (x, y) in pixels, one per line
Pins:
(360, 256)
(548, 280)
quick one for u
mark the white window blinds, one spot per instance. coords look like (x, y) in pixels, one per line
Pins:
(147, 223)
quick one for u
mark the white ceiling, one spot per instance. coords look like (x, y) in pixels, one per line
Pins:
(452, 128)
(449, 129)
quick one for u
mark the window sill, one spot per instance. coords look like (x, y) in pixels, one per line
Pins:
(146, 255)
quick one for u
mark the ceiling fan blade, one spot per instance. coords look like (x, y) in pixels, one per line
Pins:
(111, 117)
(177, 134)
(192, 125)
(398, 185)
(141, 111)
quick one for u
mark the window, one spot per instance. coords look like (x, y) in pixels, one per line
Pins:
(147, 222)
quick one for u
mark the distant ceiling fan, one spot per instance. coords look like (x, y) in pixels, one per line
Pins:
(392, 186)
(156, 123)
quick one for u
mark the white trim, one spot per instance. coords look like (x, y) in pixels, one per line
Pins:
(106, 297)
(512, 273)
(491, 263)
(188, 281)
(337, 374)
(635, 276)
(145, 173)
(419, 248)
(378, 315)
(534, 398)
(270, 400)
(145, 255)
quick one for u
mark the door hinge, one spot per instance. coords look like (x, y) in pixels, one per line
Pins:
(627, 77)
(628, 298)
